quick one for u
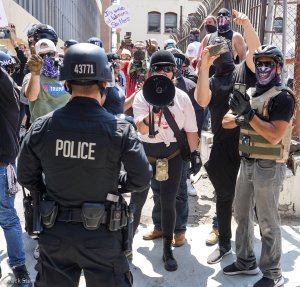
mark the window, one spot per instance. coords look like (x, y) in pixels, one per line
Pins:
(170, 22)
(278, 25)
(153, 22)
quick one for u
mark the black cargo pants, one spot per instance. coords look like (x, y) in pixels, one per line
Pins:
(67, 248)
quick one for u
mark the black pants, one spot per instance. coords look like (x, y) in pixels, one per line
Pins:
(168, 188)
(66, 249)
(222, 169)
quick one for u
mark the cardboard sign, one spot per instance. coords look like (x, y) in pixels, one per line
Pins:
(3, 18)
(116, 16)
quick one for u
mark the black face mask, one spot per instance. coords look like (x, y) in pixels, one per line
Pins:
(210, 28)
(224, 64)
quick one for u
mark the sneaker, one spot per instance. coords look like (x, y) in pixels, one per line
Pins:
(155, 233)
(233, 270)
(179, 239)
(190, 188)
(213, 237)
(267, 282)
(218, 254)
(22, 278)
(36, 252)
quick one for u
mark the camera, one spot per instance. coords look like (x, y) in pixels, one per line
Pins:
(4, 33)
(219, 49)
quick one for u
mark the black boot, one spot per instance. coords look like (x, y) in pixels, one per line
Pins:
(22, 278)
(170, 262)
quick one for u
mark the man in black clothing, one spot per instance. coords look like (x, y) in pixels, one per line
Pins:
(9, 147)
(239, 47)
(71, 159)
(224, 161)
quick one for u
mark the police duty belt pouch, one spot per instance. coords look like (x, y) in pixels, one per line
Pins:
(49, 210)
(28, 213)
(162, 169)
(93, 214)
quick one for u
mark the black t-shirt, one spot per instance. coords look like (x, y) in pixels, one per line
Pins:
(281, 107)
(221, 86)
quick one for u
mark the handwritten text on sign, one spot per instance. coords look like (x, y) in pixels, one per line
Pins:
(116, 16)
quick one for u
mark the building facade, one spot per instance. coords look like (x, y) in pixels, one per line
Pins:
(72, 19)
(157, 18)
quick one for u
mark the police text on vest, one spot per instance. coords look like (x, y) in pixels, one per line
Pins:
(72, 149)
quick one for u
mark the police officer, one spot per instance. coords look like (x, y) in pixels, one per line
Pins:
(72, 158)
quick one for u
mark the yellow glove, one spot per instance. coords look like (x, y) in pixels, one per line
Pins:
(35, 64)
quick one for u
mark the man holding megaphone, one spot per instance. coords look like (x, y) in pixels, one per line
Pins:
(161, 113)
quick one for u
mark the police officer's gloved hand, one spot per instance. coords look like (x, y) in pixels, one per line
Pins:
(196, 162)
(122, 182)
(35, 64)
(239, 103)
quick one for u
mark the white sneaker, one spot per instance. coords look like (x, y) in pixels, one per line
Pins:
(190, 188)
(36, 252)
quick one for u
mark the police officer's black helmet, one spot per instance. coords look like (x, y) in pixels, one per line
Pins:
(270, 51)
(7, 62)
(69, 43)
(95, 41)
(43, 31)
(162, 57)
(85, 62)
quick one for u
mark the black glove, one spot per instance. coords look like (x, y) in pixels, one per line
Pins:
(243, 120)
(122, 182)
(196, 162)
(239, 103)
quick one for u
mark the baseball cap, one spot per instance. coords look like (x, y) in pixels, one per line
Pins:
(50, 46)
(95, 41)
(126, 52)
(69, 43)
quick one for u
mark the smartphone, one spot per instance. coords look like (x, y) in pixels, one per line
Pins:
(242, 89)
(219, 49)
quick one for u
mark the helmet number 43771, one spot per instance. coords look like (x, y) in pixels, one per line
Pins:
(84, 69)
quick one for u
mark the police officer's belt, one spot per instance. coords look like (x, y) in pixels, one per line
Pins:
(152, 159)
(75, 215)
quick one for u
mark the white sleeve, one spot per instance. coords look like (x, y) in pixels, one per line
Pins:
(140, 107)
(190, 123)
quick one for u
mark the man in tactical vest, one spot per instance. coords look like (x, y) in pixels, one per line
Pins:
(265, 117)
(71, 160)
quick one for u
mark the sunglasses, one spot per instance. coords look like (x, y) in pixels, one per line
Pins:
(224, 14)
(50, 54)
(166, 69)
(267, 64)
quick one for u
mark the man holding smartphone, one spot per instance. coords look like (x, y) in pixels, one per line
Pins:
(266, 128)
(223, 164)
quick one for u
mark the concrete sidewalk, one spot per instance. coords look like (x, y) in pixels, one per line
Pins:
(193, 271)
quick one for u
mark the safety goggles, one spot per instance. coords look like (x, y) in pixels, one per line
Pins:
(166, 69)
(267, 64)
(224, 14)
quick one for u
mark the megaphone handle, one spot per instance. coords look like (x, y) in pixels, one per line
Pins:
(151, 124)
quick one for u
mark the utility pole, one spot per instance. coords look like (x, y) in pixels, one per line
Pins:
(296, 130)
(269, 22)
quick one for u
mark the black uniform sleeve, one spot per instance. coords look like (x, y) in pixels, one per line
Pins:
(281, 107)
(29, 168)
(8, 94)
(22, 58)
(139, 171)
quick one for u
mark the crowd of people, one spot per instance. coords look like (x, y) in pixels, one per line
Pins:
(103, 124)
